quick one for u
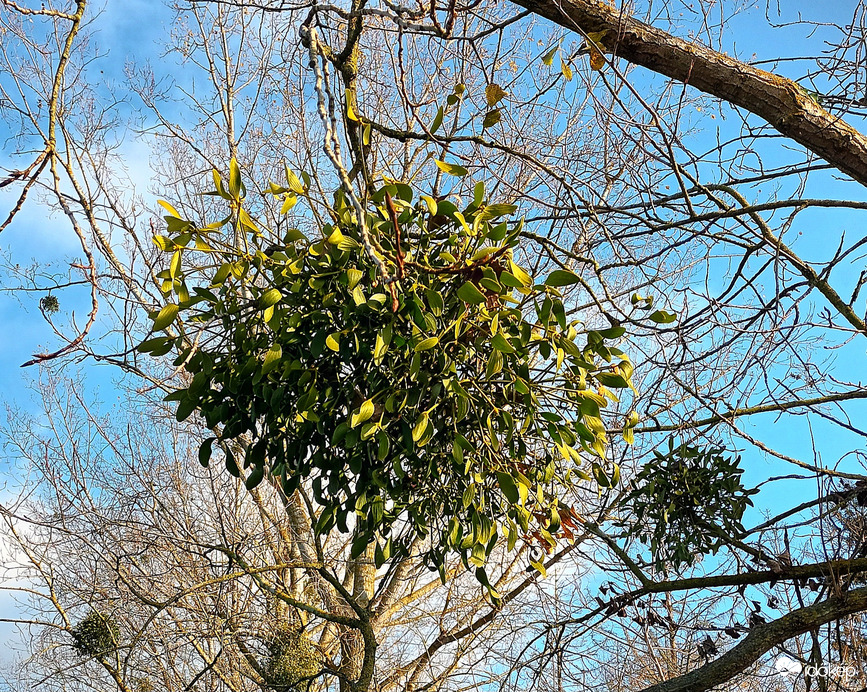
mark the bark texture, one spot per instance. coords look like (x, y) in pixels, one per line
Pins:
(762, 639)
(779, 101)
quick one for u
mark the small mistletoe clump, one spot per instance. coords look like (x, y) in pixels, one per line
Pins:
(687, 502)
(49, 304)
(292, 661)
(95, 634)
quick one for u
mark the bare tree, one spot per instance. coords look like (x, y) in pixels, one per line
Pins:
(699, 203)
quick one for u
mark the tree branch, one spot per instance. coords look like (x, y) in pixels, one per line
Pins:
(762, 639)
(779, 101)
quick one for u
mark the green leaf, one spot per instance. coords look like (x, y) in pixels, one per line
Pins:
(364, 412)
(293, 235)
(359, 545)
(601, 478)
(272, 358)
(234, 179)
(493, 211)
(508, 279)
(494, 93)
(427, 344)
(553, 519)
(611, 379)
(222, 274)
(270, 297)
(469, 293)
(612, 332)
(507, 485)
(663, 317)
(152, 344)
(562, 277)
(435, 302)
(420, 427)
(232, 465)
(165, 317)
(255, 477)
(491, 118)
(548, 58)
(451, 168)
(205, 451)
(502, 344)
(163, 243)
(479, 193)
(437, 121)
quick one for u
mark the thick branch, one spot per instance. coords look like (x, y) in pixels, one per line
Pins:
(779, 101)
(762, 639)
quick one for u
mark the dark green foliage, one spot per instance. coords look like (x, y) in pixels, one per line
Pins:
(458, 402)
(292, 660)
(49, 304)
(686, 502)
(96, 634)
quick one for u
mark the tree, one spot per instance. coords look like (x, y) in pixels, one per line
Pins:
(601, 164)
(144, 571)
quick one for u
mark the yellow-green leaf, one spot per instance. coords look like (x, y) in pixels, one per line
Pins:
(562, 277)
(420, 427)
(163, 243)
(364, 412)
(492, 117)
(470, 294)
(169, 208)
(234, 179)
(663, 317)
(451, 168)
(272, 358)
(165, 317)
(522, 276)
(502, 344)
(379, 349)
(548, 58)
(427, 344)
(566, 70)
(289, 201)
(353, 276)
(175, 264)
(437, 121)
(293, 181)
(349, 112)
(270, 297)
(333, 341)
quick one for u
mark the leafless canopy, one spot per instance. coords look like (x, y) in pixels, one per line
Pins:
(666, 171)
